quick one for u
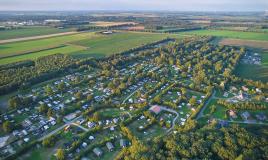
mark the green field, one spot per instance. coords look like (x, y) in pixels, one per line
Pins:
(255, 72)
(66, 49)
(231, 34)
(17, 48)
(29, 31)
(79, 45)
(115, 43)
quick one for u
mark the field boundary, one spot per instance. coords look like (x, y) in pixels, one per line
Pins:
(30, 52)
(36, 37)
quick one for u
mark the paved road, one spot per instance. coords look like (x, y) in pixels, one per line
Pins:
(78, 125)
(245, 122)
(35, 37)
(200, 114)
(174, 120)
(124, 101)
(60, 128)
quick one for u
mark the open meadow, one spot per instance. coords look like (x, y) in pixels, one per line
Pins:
(78, 45)
(29, 31)
(254, 72)
(231, 34)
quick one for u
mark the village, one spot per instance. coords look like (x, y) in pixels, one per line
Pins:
(84, 112)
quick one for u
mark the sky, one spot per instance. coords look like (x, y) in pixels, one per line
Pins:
(134, 5)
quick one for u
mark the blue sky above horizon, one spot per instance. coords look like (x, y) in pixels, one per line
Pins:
(132, 5)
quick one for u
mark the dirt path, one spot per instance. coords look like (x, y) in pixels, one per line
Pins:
(200, 114)
(35, 37)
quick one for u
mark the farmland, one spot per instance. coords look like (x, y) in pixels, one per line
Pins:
(29, 31)
(80, 45)
(243, 42)
(231, 34)
(118, 42)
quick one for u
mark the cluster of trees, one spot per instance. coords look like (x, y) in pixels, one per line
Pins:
(204, 143)
(244, 105)
(49, 141)
(44, 68)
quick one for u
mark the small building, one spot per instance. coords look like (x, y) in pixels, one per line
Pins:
(261, 117)
(97, 151)
(123, 143)
(232, 114)
(110, 146)
(245, 115)
(155, 109)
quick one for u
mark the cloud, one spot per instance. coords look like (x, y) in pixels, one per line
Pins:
(176, 5)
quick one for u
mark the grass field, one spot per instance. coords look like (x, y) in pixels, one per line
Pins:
(231, 34)
(30, 31)
(66, 49)
(79, 45)
(115, 43)
(255, 72)
(243, 42)
(17, 48)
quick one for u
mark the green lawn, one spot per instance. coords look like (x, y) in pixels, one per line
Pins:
(231, 34)
(29, 31)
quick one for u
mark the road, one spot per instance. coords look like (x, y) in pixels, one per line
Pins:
(174, 120)
(35, 37)
(200, 114)
(78, 125)
(124, 101)
(245, 122)
(60, 128)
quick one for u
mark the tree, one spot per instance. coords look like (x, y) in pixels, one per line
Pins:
(78, 95)
(43, 108)
(59, 119)
(49, 141)
(14, 102)
(61, 86)
(49, 112)
(89, 97)
(218, 66)
(96, 116)
(60, 154)
(192, 101)
(227, 73)
(7, 127)
(48, 90)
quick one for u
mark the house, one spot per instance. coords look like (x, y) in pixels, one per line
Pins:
(84, 144)
(244, 88)
(232, 114)
(91, 138)
(110, 146)
(241, 96)
(245, 115)
(261, 117)
(91, 124)
(97, 151)
(3, 141)
(123, 143)
(155, 109)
